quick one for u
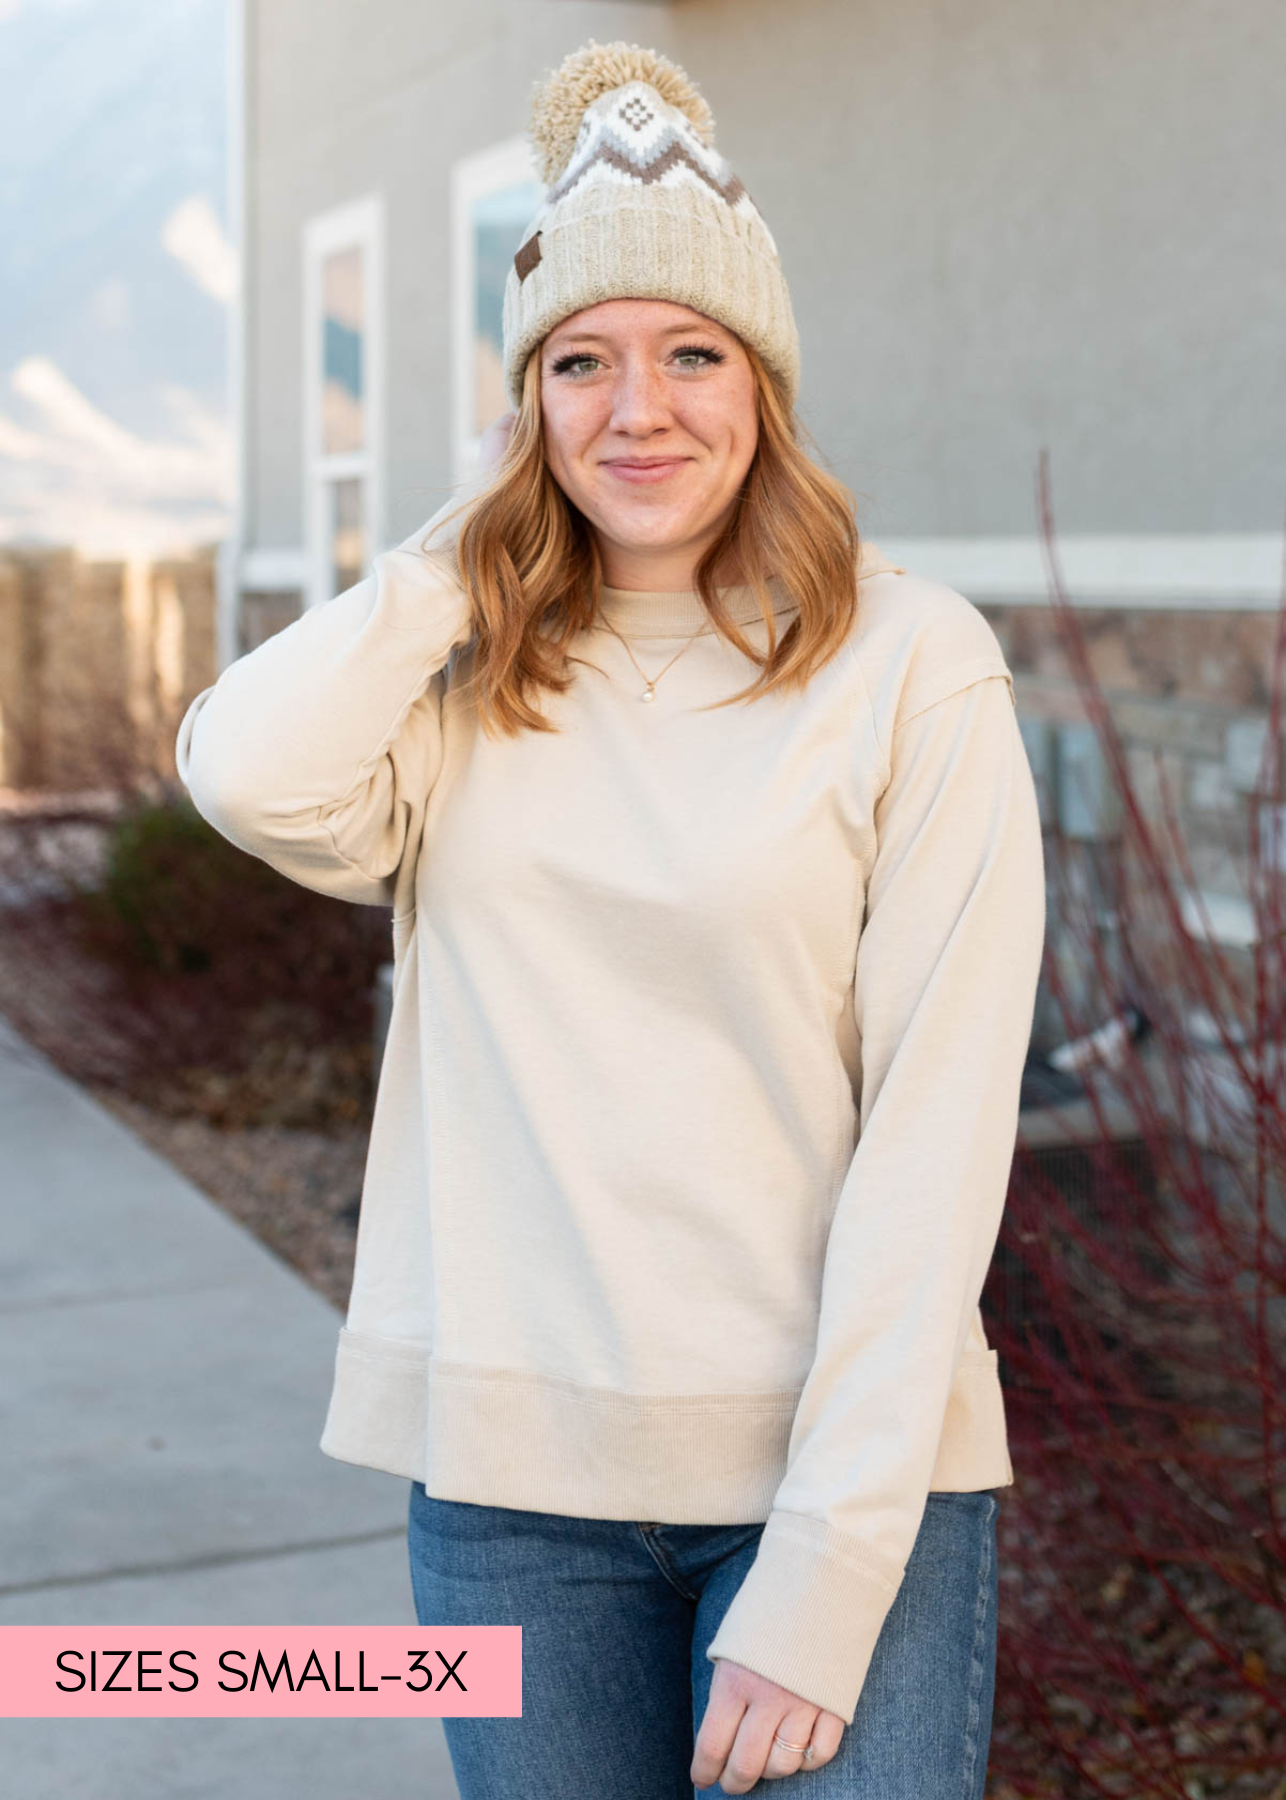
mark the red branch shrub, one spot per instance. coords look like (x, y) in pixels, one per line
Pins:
(1136, 1300)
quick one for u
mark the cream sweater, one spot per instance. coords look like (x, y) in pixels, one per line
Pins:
(701, 1084)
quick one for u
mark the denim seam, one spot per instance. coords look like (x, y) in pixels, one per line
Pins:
(663, 1564)
(976, 1664)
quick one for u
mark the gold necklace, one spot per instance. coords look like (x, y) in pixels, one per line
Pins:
(649, 690)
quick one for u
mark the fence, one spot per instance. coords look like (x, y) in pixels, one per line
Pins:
(98, 660)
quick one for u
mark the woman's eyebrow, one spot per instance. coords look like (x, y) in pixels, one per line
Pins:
(599, 337)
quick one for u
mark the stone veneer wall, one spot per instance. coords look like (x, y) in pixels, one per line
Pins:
(1188, 693)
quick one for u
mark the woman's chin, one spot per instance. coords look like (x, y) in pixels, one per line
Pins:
(647, 527)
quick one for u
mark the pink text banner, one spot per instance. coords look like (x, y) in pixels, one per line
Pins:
(260, 1672)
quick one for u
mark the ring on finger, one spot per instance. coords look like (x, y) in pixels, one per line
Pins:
(804, 1750)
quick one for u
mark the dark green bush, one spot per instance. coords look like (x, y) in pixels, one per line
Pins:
(170, 889)
(185, 918)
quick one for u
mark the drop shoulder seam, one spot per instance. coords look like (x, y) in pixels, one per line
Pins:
(886, 766)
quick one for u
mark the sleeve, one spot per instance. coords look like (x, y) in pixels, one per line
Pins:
(315, 751)
(944, 992)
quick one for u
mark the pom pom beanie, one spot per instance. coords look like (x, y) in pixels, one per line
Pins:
(640, 205)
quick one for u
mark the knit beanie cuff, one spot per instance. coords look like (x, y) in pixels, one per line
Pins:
(641, 206)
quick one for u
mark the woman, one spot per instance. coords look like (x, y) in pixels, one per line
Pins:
(711, 1001)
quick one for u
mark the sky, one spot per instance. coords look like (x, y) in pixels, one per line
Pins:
(116, 276)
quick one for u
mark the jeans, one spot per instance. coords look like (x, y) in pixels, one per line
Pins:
(616, 1617)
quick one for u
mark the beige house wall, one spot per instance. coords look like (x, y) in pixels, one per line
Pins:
(1009, 227)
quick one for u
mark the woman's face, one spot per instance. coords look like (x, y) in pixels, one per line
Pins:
(631, 382)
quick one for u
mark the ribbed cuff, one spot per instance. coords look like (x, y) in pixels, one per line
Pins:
(809, 1612)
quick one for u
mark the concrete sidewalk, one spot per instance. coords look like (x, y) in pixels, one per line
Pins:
(164, 1381)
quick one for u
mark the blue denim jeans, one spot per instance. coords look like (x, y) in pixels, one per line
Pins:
(616, 1617)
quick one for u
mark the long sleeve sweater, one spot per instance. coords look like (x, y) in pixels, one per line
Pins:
(700, 1090)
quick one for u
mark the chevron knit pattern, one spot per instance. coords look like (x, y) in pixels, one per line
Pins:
(640, 204)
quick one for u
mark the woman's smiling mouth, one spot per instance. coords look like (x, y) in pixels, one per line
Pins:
(629, 470)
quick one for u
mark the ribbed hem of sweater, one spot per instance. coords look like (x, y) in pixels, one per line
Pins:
(503, 1437)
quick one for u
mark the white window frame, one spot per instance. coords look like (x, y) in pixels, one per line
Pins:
(230, 558)
(358, 224)
(504, 164)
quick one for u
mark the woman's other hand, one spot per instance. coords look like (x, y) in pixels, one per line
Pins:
(443, 529)
(735, 1743)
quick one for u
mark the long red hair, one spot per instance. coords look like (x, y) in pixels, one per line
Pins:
(528, 559)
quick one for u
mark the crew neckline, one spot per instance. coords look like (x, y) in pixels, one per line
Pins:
(655, 612)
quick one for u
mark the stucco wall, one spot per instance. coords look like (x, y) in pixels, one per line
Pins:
(1006, 225)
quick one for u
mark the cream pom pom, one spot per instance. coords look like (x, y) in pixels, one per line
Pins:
(559, 103)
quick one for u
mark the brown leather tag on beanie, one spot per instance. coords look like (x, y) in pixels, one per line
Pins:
(528, 257)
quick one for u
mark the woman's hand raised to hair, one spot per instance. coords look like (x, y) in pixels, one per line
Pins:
(495, 441)
(735, 1743)
(443, 530)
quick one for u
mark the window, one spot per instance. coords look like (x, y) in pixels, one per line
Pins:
(495, 196)
(343, 323)
(343, 395)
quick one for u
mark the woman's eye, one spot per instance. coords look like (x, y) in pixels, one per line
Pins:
(571, 364)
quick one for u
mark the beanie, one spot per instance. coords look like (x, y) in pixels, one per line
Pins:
(640, 205)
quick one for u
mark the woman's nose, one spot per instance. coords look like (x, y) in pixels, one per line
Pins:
(639, 395)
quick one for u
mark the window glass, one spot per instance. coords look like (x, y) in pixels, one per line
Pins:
(498, 222)
(343, 420)
(347, 537)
